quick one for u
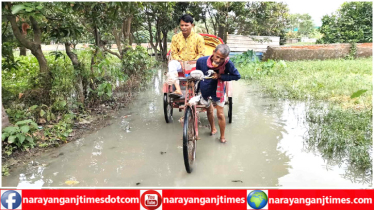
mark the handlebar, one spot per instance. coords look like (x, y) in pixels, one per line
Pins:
(192, 78)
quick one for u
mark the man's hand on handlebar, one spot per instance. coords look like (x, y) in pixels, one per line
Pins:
(216, 76)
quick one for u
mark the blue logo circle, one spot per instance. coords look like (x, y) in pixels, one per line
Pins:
(257, 199)
(11, 199)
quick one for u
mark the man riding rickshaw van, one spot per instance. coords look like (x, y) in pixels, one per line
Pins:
(185, 46)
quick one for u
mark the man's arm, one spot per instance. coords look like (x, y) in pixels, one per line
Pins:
(200, 47)
(174, 49)
(233, 73)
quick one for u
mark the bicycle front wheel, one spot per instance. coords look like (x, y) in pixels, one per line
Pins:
(189, 140)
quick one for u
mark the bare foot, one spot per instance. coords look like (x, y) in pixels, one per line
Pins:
(214, 131)
(175, 95)
(223, 140)
(178, 93)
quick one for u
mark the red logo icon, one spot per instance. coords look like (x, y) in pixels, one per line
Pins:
(151, 200)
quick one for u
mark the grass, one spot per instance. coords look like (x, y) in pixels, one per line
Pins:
(329, 80)
(339, 126)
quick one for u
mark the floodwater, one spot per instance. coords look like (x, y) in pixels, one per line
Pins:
(265, 148)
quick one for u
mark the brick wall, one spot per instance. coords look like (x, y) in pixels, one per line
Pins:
(316, 52)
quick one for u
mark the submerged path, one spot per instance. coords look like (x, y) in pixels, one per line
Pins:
(265, 148)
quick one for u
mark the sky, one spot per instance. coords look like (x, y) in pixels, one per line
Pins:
(315, 8)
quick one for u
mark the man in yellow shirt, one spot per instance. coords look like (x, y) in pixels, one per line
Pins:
(186, 45)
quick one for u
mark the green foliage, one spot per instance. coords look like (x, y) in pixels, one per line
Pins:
(15, 115)
(352, 51)
(58, 132)
(103, 91)
(64, 76)
(342, 131)
(331, 80)
(33, 113)
(20, 134)
(342, 135)
(60, 122)
(351, 23)
(15, 77)
(5, 170)
(27, 7)
(24, 93)
(358, 93)
(244, 58)
(136, 61)
(262, 18)
(250, 67)
(303, 22)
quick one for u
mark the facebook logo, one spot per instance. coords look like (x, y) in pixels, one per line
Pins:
(11, 199)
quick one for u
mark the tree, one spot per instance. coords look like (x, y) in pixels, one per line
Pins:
(63, 26)
(223, 16)
(303, 22)
(158, 15)
(33, 12)
(264, 19)
(351, 23)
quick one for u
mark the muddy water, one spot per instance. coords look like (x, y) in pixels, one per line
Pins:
(264, 149)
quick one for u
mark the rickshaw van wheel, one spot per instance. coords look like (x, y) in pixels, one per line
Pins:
(168, 109)
(230, 110)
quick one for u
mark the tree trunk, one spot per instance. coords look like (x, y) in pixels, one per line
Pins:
(126, 28)
(221, 23)
(117, 35)
(77, 67)
(206, 27)
(221, 30)
(165, 44)
(22, 51)
(214, 23)
(151, 37)
(93, 58)
(34, 46)
(97, 43)
(43, 64)
(131, 40)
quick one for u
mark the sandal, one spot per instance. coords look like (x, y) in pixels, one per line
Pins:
(222, 140)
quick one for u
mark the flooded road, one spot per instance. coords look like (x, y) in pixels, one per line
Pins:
(265, 148)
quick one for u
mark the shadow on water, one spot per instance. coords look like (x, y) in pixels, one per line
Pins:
(265, 148)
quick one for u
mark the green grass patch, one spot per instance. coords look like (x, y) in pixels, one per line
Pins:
(342, 135)
(329, 80)
(343, 130)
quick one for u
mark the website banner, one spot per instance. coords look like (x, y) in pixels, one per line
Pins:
(186, 199)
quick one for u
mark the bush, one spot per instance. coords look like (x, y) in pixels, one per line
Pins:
(250, 66)
(136, 61)
(20, 134)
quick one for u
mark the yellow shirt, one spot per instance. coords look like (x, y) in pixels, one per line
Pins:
(188, 49)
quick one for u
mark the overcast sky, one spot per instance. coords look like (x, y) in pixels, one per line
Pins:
(315, 8)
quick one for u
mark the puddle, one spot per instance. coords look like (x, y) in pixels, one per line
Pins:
(265, 148)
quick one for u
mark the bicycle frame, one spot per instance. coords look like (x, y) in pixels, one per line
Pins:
(190, 92)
